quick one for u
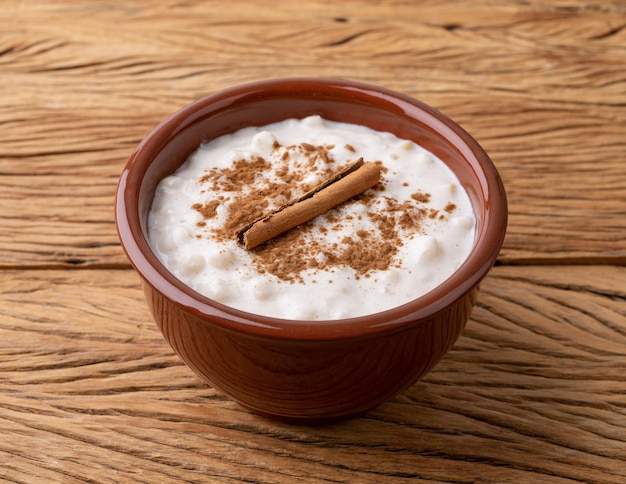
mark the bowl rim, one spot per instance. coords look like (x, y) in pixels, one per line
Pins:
(153, 273)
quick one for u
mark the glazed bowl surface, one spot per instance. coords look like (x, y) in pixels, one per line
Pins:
(309, 371)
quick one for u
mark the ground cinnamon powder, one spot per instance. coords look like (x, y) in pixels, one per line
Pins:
(207, 210)
(249, 196)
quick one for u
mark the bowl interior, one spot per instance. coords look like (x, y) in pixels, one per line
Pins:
(171, 143)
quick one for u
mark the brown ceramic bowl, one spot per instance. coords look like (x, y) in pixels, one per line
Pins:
(309, 371)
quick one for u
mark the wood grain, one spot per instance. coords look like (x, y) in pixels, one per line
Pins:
(534, 389)
(90, 391)
(542, 87)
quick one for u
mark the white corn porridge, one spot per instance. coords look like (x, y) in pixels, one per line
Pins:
(380, 249)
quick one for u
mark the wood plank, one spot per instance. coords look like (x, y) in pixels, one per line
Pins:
(541, 86)
(532, 392)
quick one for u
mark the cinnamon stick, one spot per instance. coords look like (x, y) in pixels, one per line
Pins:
(341, 187)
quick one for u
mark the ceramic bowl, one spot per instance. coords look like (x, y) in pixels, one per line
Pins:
(309, 371)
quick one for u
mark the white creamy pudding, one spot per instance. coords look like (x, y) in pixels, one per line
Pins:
(381, 249)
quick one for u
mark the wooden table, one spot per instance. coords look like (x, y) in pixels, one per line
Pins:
(534, 390)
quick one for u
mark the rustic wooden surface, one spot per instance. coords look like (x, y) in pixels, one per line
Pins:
(534, 390)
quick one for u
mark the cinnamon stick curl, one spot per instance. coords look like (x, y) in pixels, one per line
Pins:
(342, 186)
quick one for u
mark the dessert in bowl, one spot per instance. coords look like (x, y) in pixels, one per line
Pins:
(334, 337)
